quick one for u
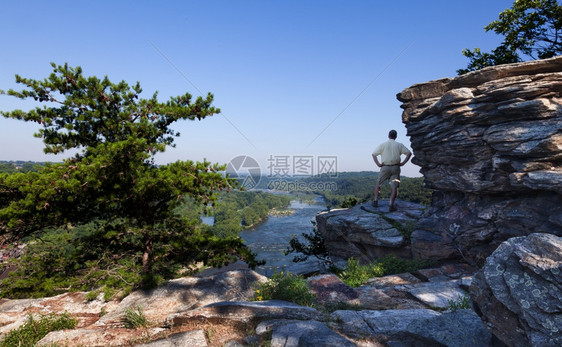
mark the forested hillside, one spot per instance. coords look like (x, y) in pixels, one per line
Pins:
(237, 210)
(18, 166)
(348, 188)
(360, 186)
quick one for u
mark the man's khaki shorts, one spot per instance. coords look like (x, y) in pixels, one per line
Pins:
(389, 173)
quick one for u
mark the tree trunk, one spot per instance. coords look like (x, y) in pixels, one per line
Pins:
(146, 261)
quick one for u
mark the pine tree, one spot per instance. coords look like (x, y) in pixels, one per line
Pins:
(112, 191)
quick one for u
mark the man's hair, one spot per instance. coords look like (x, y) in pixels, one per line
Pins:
(392, 134)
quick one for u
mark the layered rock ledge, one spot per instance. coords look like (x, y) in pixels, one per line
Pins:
(365, 233)
(490, 144)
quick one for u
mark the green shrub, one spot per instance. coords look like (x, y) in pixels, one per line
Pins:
(462, 302)
(134, 318)
(392, 265)
(34, 329)
(286, 286)
(314, 246)
(355, 274)
(92, 295)
(109, 292)
(349, 202)
(56, 264)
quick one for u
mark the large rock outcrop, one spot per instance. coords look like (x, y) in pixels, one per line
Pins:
(490, 144)
(518, 291)
(365, 233)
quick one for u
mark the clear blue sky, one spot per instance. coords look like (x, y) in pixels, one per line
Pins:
(281, 71)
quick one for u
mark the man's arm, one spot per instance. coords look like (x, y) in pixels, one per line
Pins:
(376, 161)
(406, 159)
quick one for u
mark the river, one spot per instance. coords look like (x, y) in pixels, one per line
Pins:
(270, 238)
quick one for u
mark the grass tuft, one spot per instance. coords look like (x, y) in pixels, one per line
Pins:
(34, 329)
(355, 274)
(286, 286)
(134, 318)
(462, 302)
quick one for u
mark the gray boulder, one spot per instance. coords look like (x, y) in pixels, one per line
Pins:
(189, 338)
(365, 233)
(415, 327)
(461, 328)
(518, 292)
(359, 324)
(295, 333)
(435, 294)
(246, 311)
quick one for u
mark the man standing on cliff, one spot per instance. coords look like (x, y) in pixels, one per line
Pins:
(390, 152)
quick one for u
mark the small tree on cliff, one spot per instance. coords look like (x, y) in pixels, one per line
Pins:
(117, 205)
(532, 28)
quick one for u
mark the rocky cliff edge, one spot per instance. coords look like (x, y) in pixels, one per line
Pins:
(490, 144)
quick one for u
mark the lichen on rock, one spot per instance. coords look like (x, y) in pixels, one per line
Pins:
(518, 291)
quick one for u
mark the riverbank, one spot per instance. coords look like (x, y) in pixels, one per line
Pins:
(270, 238)
(277, 212)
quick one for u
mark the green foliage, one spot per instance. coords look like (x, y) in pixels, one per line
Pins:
(191, 210)
(392, 265)
(462, 302)
(358, 187)
(134, 318)
(413, 189)
(58, 262)
(92, 295)
(479, 60)
(117, 206)
(355, 274)
(286, 286)
(349, 202)
(7, 168)
(17, 166)
(314, 247)
(349, 188)
(34, 329)
(530, 27)
(238, 210)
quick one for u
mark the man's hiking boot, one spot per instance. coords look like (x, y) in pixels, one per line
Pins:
(391, 208)
(375, 203)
